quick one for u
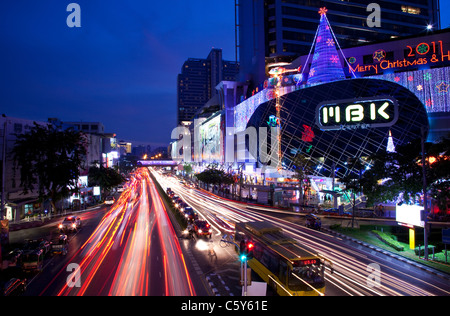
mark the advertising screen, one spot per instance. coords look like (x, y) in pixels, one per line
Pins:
(410, 214)
(211, 140)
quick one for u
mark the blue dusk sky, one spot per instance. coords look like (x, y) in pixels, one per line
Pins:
(119, 68)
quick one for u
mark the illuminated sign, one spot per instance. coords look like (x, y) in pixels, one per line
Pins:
(359, 113)
(410, 215)
(146, 163)
(308, 262)
(425, 53)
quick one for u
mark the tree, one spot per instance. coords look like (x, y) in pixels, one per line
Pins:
(215, 177)
(439, 172)
(400, 173)
(303, 168)
(187, 168)
(105, 178)
(49, 160)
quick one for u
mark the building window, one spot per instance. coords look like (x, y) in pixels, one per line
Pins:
(410, 10)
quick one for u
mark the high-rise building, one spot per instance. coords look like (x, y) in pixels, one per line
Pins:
(198, 80)
(276, 30)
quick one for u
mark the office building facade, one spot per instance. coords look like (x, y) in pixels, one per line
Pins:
(277, 30)
(196, 84)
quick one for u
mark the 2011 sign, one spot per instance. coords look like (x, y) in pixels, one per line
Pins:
(359, 113)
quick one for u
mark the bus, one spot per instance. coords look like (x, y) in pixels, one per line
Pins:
(286, 266)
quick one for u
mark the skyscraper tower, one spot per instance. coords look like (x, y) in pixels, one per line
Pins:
(196, 84)
(270, 31)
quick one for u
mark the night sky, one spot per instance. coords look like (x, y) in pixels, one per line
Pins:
(120, 68)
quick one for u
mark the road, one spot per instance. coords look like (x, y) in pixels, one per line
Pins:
(133, 251)
(131, 248)
(357, 270)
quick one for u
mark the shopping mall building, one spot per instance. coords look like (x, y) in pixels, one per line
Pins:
(333, 105)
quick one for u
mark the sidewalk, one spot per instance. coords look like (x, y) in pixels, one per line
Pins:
(26, 224)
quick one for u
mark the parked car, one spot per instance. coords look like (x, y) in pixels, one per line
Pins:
(202, 228)
(70, 224)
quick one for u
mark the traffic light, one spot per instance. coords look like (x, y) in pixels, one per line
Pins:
(246, 250)
(250, 247)
(243, 250)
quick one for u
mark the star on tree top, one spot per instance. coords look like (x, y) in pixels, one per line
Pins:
(323, 11)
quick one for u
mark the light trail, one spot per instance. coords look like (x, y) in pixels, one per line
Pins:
(351, 272)
(120, 258)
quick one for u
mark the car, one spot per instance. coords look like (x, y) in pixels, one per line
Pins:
(187, 208)
(182, 206)
(190, 214)
(177, 201)
(170, 193)
(202, 228)
(70, 224)
(37, 244)
(109, 200)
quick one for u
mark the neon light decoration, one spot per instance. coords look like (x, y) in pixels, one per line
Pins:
(379, 55)
(431, 86)
(326, 66)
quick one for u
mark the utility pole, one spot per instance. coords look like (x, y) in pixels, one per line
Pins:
(425, 199)
(3, 201)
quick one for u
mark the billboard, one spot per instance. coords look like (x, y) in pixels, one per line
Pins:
(211, 140)
(410, 215)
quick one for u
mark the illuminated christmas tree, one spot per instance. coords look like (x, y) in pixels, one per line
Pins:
(326, 65)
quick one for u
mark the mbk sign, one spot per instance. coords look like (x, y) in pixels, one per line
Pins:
(359, 113)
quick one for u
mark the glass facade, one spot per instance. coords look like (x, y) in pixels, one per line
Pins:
(298, 22)
(301, 133)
